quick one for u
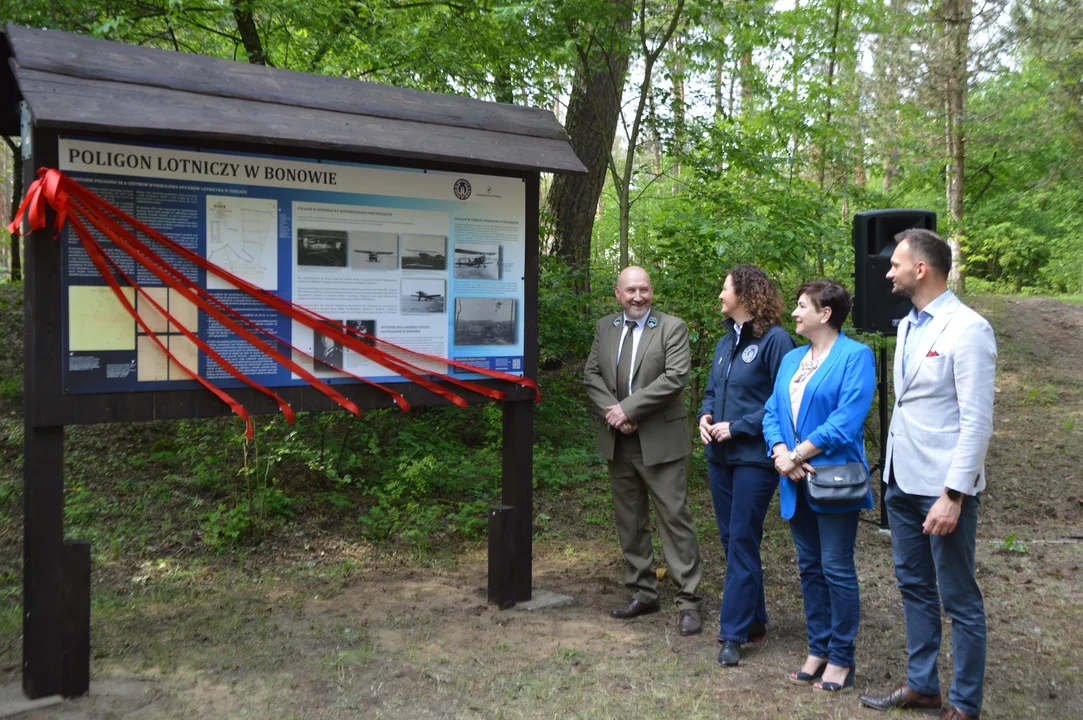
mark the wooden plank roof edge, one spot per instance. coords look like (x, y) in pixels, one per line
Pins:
(52, 99)
(281, 86)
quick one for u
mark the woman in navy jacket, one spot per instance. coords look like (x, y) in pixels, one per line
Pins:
(742, 480)
(816, 416)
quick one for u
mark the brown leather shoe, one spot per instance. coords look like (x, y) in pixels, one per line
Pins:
(954, 713)
(903, 698)
(689, 623)
(633, 609)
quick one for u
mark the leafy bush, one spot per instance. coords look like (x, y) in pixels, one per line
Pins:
(250, 519)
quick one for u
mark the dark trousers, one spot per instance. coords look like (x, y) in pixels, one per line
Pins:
(825, 554)
(930, 569)
(741, 496)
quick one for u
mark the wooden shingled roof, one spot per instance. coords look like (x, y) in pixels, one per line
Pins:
(77, 83)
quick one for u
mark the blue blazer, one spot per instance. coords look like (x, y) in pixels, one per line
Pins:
(831, 417)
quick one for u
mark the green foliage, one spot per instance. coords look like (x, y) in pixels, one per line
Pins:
(1011, 544)
(248, 520)
(1004, 251)
(11, 388)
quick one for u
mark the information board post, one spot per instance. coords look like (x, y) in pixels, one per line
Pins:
(518, 461)
(43, 457)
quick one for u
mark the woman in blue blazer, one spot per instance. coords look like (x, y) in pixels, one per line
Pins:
(816, 416)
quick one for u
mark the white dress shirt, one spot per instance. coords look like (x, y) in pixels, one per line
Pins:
(637, 333)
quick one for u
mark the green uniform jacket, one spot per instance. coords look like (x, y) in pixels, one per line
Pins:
(656, 405)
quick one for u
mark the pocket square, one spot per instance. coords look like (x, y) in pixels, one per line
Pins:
(933, 353)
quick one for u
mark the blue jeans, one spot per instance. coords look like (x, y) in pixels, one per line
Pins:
(930, 569)
(741, 496)
(825, 555)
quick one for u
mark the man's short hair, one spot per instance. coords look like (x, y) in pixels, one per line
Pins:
(928, 246)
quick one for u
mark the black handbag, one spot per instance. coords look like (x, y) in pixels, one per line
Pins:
(835, 485)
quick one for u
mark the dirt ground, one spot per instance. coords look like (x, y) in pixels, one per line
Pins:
(329, 628)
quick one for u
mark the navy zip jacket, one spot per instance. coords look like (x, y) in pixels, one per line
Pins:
(740, 382)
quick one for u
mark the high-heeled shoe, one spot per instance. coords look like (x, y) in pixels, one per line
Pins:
(798, 677)
(847, 685)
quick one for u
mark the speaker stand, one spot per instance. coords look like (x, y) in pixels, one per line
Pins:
(881, 387)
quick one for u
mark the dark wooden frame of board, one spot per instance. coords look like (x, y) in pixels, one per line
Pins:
(54, 84)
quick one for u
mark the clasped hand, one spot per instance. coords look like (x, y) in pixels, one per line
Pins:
(709, 431)
(615, 416)
(790, 468)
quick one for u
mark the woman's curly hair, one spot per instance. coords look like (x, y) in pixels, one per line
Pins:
(762, 300)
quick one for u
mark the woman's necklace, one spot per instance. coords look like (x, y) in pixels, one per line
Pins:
(806, 368)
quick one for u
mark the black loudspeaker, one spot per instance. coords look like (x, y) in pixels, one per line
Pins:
(876, 309)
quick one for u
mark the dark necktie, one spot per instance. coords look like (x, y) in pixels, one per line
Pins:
(624, 364)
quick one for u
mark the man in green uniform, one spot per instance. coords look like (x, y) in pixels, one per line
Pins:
(635, 376)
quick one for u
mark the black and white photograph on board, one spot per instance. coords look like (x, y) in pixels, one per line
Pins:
(424, 252)
(477, 262)
(321, 248)
(485, 321)
(327, 352)
(423, 296)
(374, 250)
(366, 326)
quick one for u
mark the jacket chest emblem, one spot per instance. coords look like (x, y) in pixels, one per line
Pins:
(617, 320)
(651, 322)
(750, 353)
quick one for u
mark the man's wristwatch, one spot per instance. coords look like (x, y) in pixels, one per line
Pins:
(953, 494)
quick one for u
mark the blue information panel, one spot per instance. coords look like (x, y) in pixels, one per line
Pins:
(430, 261)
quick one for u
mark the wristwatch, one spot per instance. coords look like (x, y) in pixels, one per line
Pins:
(953, 494)
(795, 456)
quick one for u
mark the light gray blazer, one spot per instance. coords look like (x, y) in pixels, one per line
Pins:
(943, 416)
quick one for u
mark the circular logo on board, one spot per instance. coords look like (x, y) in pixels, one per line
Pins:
(462, 188)
(750, 353)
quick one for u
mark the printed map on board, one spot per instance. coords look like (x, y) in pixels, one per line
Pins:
(242, 237)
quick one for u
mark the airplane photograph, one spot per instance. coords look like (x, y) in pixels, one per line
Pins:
(321, 248)
(374, 255)
(485, 321)
(424, 252)
(477, 262)
(423, 296)
(374, 250)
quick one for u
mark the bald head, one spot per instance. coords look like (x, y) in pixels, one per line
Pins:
(634, 291)
(633, 274)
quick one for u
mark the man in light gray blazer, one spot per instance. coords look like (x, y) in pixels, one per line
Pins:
(945, 363)
(635, 377)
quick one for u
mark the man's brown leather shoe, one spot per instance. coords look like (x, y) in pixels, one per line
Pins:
(903, 698)
(633, 609)
(954, 713)
(689, 623)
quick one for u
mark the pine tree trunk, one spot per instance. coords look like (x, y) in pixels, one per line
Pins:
(957, 15)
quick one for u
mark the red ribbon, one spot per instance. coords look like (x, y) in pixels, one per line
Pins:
(79, 206)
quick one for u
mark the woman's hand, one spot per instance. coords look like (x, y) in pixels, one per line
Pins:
(705, 429)
(780, 453)
(721, 431)
(784, 466)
